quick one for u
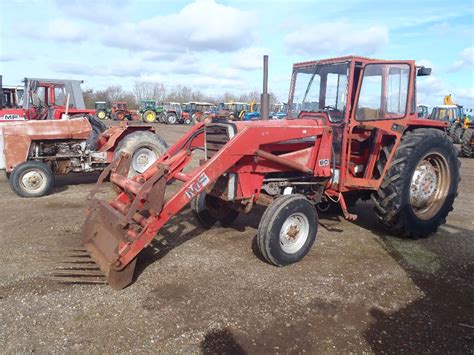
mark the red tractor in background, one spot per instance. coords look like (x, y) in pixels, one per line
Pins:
(121, 112)
(352, 132)
(45, 99)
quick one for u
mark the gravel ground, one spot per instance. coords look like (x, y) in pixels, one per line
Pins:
(358, 290)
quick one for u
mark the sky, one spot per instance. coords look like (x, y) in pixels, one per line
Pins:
(216, 46)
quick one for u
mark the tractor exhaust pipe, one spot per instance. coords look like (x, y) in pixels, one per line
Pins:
(265, 97)
(1, 92)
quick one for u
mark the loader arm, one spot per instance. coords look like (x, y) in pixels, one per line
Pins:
(115, 232)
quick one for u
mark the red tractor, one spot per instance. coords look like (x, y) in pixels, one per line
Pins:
(121, 112)
(352, 132)
(45, 99)
(33, 152)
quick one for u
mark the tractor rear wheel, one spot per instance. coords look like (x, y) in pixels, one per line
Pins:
(32, 179)
(144, 147)
(287, 230)
(149, 116)
(466, 147)
(209, 209)
(419, 188)
(455, 132)
(171, 118)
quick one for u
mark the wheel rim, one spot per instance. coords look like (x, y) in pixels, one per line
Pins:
(101, 115)
(172, 119)
(294, 233)
(150, 117)
(33, 180)
(429, 186)
(142, 159)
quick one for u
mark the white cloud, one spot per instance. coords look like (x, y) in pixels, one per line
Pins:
(336, 38)
(432, 89)
(199, 26)
(249, 58)
(94, 10)
(62, 30)
(465, 59)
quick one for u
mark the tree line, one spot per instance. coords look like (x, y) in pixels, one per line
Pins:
(157, 91)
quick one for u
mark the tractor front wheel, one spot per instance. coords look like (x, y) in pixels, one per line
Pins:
(419, 188)
(32, 179)
(101, 114)
(466, 145)
(209, 209)
(119, 115)
(287, 230)
(149, 116)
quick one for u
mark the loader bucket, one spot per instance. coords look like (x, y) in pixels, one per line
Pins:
(103, 236)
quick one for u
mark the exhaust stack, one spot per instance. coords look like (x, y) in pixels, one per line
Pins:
(265, 97)
(1, 92)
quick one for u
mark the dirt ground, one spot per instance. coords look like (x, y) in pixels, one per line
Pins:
(358, 290)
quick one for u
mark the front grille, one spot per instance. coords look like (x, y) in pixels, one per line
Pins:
(217, 135)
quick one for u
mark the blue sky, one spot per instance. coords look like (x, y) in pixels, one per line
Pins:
(217, 46)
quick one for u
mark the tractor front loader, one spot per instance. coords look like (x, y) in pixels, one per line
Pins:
(352, 132)
(238, 158)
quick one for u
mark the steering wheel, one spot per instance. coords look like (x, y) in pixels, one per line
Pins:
(333, 117)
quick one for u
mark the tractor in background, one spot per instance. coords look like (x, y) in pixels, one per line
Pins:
(150, 111)
(172, 112)
(253, 113)
(451, 113)
(236, 110)
(193, 111)
(121, 112)
(279, 111)
(34, 151)
(423, 111)
(102, 112)
(42, 99)
(467, 138)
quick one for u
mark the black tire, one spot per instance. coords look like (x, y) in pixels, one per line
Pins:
(95, 122)
(151, 143)
(41, 170)
(171, 118)
(208, 210)
(162, 117)
(272, 222)
(393, 204)
(466, 148)
(97, 128)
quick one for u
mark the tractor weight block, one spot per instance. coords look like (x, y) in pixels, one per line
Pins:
(103, 236)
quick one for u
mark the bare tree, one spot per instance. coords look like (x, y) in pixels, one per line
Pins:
(150, 90)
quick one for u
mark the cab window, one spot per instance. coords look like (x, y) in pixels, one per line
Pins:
(384, 92)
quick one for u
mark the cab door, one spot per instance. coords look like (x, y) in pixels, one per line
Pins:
(384, 100)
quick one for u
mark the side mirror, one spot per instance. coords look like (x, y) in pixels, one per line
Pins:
(423, 71)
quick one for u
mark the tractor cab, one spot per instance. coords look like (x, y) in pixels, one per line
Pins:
(148, 105)
(423, 111)
(101, 105)
(368, 103)
(12, 97)
(120, 106)
(447, 113)
(236, 109)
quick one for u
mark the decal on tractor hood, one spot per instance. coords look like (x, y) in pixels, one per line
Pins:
(12, 117)
(197, 186)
